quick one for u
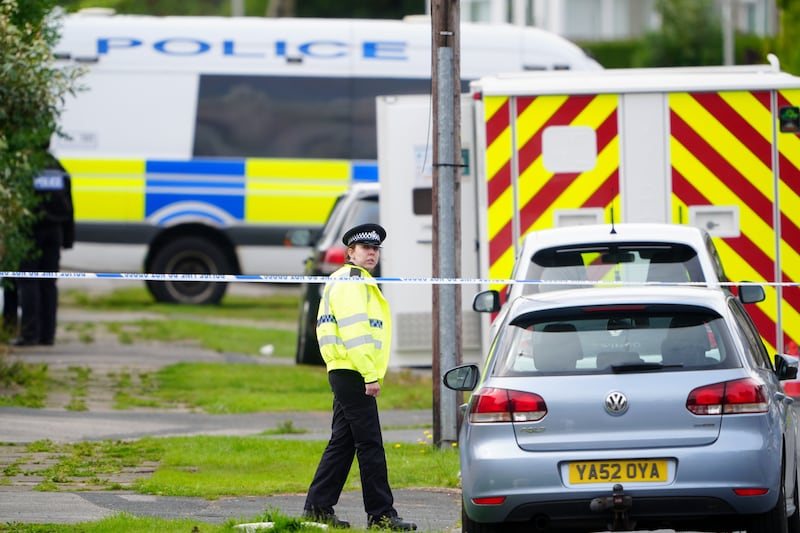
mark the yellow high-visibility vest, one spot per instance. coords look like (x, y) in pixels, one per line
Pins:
(354, 326)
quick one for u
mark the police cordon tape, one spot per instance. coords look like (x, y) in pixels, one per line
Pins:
(239, 278)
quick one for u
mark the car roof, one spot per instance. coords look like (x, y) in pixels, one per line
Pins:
(601, 296)
(364, 188)
(646, 232)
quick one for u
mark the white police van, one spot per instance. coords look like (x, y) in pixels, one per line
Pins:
(200, 141)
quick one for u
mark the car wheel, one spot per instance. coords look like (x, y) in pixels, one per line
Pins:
(794, 520)
(307, 347)
(773, 521)
(189, 256)
(469, 526)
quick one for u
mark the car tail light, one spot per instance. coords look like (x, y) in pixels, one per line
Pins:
(332, 260)
(755, 491)
(741, 396)
(501, 405)
(491, 500)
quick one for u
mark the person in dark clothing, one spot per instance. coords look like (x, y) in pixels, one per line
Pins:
(10, 306)
(53, 229)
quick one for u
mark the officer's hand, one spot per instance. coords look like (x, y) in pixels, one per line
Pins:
(373, 389)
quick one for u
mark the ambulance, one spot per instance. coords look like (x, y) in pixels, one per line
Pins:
(197, 143)
(712, 147)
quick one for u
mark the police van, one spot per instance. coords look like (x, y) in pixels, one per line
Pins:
(199, 142)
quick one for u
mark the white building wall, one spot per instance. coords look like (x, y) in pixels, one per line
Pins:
(594, 20)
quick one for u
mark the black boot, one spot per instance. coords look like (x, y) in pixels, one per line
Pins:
(394, 523)
(326, 518)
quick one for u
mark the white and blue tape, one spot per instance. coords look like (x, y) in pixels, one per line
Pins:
(238, 278)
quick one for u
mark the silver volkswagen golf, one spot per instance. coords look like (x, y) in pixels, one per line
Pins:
(630, 408)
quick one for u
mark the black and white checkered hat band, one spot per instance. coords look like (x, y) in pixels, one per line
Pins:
(365, 236)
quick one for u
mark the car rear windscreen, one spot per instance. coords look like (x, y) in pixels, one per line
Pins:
(615, 339)
(609, 263)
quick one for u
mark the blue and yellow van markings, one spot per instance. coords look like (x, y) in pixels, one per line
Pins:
(258, 191)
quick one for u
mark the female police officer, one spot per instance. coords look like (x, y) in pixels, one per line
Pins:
(354, 333)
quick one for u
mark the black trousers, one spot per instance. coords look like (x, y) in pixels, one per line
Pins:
(10, 305)
(38, 297)
(355, 432)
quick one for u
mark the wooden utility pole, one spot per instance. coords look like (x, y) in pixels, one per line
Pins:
(446, 94)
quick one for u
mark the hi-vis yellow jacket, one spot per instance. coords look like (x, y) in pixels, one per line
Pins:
(354, 326)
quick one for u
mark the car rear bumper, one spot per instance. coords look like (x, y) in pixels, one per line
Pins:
(677, 513)
(704, 482)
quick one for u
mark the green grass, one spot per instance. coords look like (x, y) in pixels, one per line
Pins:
(229, 388)
(128, 523)
(273, 307)
(213, 467)
(209, 466)
(123, 522)
(269, 319)
(22, 384)
(226, 388)
(216, 337)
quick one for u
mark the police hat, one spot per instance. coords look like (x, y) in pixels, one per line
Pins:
(371, 234)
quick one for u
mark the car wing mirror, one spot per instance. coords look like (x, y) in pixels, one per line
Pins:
(786, 366)
(486, 302)
(750, 294)
(299, 237)
(462, 378)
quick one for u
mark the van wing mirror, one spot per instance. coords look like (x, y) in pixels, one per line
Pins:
(486, 302)
(750, 294)
(461, 378)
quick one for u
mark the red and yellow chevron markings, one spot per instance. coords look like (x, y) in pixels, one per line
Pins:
(539, 192)
(789, 197)
(721, 152)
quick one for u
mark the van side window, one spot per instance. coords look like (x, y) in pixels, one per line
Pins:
(292, 117)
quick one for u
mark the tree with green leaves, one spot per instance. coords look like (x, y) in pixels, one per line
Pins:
(32, 91)
(690, 35)
(788, 50)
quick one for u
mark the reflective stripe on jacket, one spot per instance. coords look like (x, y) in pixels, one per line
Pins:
(354, 327)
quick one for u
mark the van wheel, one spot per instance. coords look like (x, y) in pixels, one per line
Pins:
(189, 255)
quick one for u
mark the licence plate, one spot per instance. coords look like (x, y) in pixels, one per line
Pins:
(645, 470)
